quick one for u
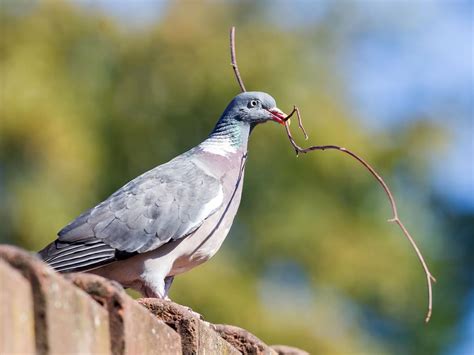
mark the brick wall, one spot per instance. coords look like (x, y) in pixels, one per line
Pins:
(44, 312)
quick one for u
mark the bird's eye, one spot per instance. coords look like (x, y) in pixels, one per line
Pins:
(253, 103)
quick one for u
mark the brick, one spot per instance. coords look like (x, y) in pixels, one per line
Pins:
(17, 321)
(288, 350)
(133, 329)
(197, 336)
(243, 340)
(67, 320)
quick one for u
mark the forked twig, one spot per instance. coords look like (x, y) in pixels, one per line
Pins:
(300, 122)
(395, 219)
(233, 60)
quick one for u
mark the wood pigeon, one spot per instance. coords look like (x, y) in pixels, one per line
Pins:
(171, 218)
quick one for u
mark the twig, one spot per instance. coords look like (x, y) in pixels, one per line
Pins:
(394, 219)
(300, 122)
(233, 60)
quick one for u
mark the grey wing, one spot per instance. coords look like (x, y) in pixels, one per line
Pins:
(166, 203)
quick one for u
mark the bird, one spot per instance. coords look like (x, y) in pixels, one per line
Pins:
(171, 218)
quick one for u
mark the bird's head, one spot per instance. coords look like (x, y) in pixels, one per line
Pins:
(255, 107)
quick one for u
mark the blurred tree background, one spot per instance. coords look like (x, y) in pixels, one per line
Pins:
(95, 93)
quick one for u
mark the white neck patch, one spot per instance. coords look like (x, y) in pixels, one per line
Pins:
(222, 147)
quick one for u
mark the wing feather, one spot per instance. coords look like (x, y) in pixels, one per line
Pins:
(166, 203)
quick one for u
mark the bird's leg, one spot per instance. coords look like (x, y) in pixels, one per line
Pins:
(153, 286)
(150, 292)
(168, 282)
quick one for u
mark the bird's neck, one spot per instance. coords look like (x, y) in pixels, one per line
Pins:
(229, 135)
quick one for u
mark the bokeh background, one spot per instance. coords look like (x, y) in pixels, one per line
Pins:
(93, 93)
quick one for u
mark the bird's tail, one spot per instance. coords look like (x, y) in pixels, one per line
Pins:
(77, 256)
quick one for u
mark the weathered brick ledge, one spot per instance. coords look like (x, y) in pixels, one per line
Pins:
(44, 312)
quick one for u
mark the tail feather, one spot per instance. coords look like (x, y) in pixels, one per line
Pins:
(85, 265)
(74, 262)
(78, 253)
(78, 256)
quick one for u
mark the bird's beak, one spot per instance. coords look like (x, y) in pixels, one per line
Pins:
(278, 115)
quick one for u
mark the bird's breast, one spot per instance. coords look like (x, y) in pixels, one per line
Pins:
(206, 241)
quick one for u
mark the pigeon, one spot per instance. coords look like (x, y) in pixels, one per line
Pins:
(173, 217)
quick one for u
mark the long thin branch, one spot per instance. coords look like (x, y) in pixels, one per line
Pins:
(394, 219)
(233, 60)
(298, 149)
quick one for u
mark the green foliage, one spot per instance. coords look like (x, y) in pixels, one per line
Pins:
(86, 105)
